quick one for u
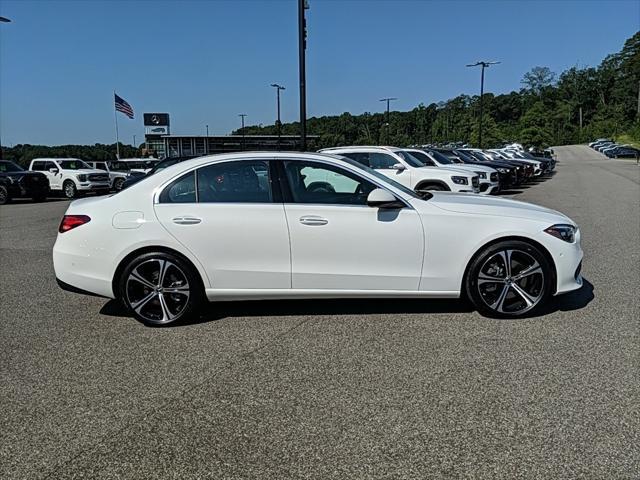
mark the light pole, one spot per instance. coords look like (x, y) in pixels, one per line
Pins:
(242, 115)
(302, 46)
(388, 100)
(3, 20)
(278, 123)
(134, 141)
(483, 65)
(207, 128)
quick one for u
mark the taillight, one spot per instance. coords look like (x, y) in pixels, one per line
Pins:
(69, 222)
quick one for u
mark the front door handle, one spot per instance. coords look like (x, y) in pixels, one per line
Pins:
(313, 220)
(186, 220)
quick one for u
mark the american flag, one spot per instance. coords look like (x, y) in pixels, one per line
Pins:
(123, 106)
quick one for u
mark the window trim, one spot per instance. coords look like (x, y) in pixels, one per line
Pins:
(274, 184)
(288, 196)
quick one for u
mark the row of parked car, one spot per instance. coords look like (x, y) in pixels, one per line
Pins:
(614, 150)
(424, 168)
(68, 176)
(429, 168)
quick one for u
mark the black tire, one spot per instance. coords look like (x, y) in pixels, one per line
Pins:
(4, 195)
(69, 189)
(155, 307)
(521, 290)
(117, 184)
(432, 187)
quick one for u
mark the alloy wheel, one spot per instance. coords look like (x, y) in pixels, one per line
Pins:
(69, 190)
(511, 282)
(158, 291)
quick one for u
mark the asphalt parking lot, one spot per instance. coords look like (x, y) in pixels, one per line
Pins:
(331, 389)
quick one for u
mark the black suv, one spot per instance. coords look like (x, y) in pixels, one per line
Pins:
(16, 182)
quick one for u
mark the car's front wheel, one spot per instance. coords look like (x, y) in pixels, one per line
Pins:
(509, 279)
(69, 189)
(160, 288)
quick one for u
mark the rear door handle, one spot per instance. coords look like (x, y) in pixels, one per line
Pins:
(313, 220)
(187, 220)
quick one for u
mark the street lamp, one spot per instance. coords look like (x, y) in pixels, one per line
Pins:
(207, 128)
(134, 141)
(242, 115)
(302, 46)
(278, 123)
(3, 20)
(483, 65)
(388, 100)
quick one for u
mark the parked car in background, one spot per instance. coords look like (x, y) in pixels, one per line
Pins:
(622, 151)
(143, 165)
(135, 176)
(489, 177)
(71, 176)
(16, 182)
(507, 173)
(251, 226)
(523, 171)
(117, 171)
(408, 171)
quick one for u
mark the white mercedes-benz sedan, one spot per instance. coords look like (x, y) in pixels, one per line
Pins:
(302, 225)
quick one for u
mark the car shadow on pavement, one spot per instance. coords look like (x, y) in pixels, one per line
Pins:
(329, 307)
(571, 301)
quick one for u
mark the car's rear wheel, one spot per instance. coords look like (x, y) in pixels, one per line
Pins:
(69, 189)
(160, 288)
(4, 195)
(509, 279)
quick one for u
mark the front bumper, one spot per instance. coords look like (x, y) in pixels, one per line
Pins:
(489, 188)
(92, 186)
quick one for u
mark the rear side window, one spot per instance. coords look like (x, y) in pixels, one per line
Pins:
(235, 182)
(37, 166)
(181, 190)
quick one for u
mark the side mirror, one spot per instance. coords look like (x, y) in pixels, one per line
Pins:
(399, 167)
(380, 198)
(53, 170)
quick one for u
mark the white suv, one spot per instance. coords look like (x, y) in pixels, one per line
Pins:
(409, 171)
(118, 172)
(489, 179)
(71, 176)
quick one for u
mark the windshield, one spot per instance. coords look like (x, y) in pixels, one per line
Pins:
(384, 178)
(411, 158)
(441, 158)
(73, 164)
(10, 167)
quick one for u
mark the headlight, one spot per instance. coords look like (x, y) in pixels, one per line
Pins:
(502, 170)
(482, 174)
(460, 180)
(563, 232)
(82, 177)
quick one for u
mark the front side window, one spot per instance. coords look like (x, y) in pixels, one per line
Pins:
(10, 167)
(182, 190)
(319, 183)
(235, 182)
(72, 165)
(50, 165)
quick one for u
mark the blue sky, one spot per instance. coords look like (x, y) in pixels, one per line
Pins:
(206, 61)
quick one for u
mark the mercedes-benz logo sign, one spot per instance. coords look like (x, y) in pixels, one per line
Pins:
(155, 120)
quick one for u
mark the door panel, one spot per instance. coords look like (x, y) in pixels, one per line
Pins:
(355, 247)
(230, 224)
(240, 245)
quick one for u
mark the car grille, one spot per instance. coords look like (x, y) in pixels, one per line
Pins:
(475, 182)
(98, 177)
(494, 177)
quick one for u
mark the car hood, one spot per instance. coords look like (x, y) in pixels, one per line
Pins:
(500, 207)
(87, 171)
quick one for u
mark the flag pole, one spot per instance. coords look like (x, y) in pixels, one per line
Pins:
(115, 117)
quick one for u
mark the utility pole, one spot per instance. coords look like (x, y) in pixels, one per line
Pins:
(278, 122)
(242, 115)
(302, 47)
(483, 65)
(580, 139)
(3, 20)
(388, 100)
